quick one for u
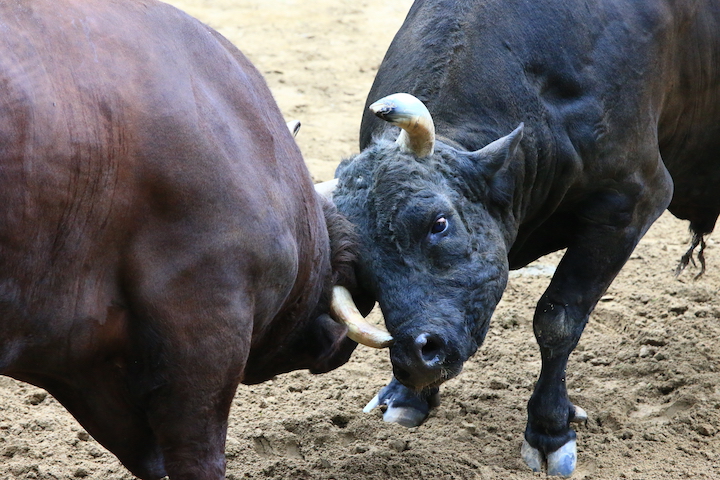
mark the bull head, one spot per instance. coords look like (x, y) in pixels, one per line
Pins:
(432, 252)
(417, 139)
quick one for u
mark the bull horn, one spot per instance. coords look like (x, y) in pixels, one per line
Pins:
(294, 127)
(410, 114)
(344, 311)
(326, 189)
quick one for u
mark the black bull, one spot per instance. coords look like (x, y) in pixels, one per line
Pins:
(620, 102)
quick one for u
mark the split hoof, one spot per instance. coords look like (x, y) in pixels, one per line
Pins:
(403, 406)
(532, 457)
(404, 415)
(560, 463)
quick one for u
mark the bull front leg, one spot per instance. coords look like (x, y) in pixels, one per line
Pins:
(607, 230)
(549, 439)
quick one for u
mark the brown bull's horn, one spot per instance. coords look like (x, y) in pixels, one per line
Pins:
(344, 311)
(326, 189)
(410, 114)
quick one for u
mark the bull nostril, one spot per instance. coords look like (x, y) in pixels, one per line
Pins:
(430, 347)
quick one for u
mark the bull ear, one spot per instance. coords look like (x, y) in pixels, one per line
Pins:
(497, 155)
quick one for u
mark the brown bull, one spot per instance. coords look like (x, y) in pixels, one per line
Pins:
(160, 237)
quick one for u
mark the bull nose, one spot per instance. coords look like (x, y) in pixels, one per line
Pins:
(421, 361)
(430, 349)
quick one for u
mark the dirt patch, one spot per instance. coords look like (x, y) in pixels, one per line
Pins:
(646, 369)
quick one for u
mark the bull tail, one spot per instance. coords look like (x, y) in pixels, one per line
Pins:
(698, 240)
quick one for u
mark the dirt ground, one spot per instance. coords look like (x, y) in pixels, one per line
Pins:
(646, 369)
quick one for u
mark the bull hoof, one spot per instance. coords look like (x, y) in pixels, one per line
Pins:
(579, 416)
(531, 456)
(402, 405)
(561, 462)
(405, 416)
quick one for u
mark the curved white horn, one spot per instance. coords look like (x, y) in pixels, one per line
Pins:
(326, 189)
(294, 127)
(410, 114)
(343, 310)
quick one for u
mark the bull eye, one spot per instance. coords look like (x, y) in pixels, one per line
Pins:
(440, 225)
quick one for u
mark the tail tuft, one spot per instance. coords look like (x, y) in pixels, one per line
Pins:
(698, 240)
